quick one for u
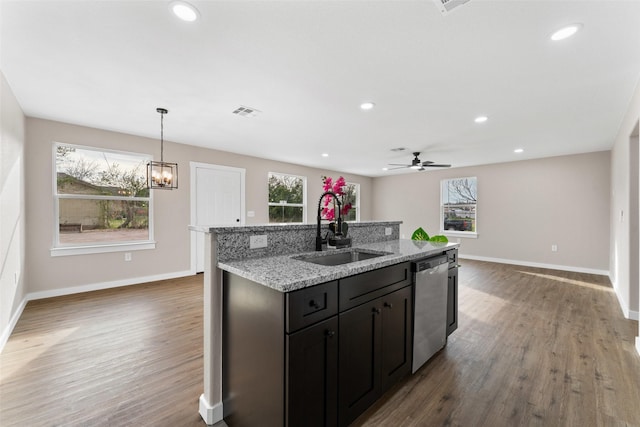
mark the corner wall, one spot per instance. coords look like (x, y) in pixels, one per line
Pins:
(523, 208)
(623, 234)
(12, 222)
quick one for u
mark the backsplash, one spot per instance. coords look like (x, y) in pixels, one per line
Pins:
(233, 242)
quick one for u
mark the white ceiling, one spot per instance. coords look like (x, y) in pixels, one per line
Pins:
(307, 65)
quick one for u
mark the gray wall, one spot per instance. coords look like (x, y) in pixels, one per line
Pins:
(171, 257)
(523, 208)
(12, 222)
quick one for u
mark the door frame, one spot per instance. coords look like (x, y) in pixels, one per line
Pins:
(193, 199)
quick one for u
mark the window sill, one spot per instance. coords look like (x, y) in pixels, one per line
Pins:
(99, 249)
(463, 234)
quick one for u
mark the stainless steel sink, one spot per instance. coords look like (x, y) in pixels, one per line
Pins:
(329, 258)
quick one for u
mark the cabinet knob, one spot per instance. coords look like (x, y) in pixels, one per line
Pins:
(376, 310)
(329, 333)
(388, 304)
(313, 304)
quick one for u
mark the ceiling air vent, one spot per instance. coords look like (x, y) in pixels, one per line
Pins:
(246, 111)
(447, 6)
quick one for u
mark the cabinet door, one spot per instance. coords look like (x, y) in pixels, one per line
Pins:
(397, 326)
(312, 375)
(452, 301)
(360, 345)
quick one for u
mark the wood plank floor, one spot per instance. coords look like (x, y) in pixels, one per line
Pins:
(534, 348)
(129, 356)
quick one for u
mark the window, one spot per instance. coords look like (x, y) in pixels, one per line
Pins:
(352, 196)
(458, 206)
(102, 203)
(287, 195)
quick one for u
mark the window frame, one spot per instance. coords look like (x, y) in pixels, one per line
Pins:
(455, 233)
(304, 198)
(357, 205)
(62, 249)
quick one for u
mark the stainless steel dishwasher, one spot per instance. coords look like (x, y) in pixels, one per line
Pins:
(430, 308)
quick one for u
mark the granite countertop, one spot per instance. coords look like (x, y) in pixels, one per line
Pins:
(285, 273)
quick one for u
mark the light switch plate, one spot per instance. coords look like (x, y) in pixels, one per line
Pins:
(256, 242)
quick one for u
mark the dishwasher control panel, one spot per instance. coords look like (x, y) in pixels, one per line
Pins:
(428, 263)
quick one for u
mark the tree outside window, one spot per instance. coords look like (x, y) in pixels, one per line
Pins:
(101, 197)
(286, 198)
(459, 198)
(352, 196)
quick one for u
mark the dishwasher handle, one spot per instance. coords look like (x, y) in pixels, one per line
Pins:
(428, 263)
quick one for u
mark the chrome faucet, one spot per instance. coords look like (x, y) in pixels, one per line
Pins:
(338, 229)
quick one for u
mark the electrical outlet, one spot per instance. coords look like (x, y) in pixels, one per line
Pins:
(387, 231)
(554, 248)
(256, 242)
(251, 214)
(127, 256)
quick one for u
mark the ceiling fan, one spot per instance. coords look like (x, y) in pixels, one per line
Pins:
(418, 165)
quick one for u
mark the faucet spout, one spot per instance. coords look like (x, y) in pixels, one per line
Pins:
(338, 231)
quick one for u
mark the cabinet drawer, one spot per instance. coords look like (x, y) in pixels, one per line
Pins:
(356, 290)
(310, 305)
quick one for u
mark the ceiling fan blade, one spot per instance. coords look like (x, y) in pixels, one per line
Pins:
(399, 164)
(428, 162)
(433, 165)
(401, 167)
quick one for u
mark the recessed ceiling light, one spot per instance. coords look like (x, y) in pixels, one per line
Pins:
(481, 119)
(385, 169)
(566, 32)
(325, 154)
(367, 105)
(184, 10)
(518, 150)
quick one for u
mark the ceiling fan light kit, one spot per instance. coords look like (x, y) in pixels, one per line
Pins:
(418, 165)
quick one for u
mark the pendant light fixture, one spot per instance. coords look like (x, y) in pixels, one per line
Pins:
(162, 175)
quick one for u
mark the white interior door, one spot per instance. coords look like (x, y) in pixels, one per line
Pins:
(217, 198)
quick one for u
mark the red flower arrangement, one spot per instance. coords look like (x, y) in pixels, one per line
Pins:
(336, 187)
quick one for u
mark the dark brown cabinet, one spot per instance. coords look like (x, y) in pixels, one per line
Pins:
(375, 351)
(317, 356)
(312, 375)
(452, 292)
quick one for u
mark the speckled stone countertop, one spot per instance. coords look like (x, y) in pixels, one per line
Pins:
(286, 273)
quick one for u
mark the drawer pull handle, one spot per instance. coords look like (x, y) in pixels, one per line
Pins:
(329, 333)
(388, 304)
(376, 310)
(313, 304)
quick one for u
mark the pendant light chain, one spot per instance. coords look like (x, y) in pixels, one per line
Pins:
(162, 113)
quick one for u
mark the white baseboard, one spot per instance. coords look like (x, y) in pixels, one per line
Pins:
(537, 264)
(105, 285)
(79, 289)
(628, 314)
(210, 414)
(12, 324)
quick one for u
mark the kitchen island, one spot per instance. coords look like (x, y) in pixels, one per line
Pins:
(274, 323)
